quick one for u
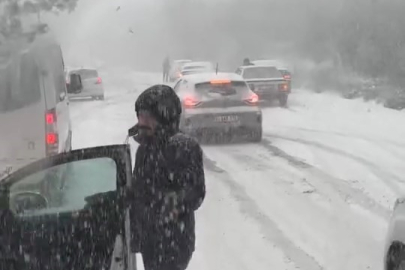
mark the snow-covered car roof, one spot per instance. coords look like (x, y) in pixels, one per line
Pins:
(198, 64)
(207, 77)
(182, 61)
(268, 62)
(80, 68)
(258, 66)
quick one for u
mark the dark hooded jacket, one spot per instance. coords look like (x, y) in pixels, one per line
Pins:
(168, 177)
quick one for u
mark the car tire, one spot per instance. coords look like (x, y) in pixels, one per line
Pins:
(396, 257)
(282, 99)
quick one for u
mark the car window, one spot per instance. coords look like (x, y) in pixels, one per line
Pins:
(87, 73)
(261, 73)
(63, 187)
(224, 89)
(194, 67)
(19, 84)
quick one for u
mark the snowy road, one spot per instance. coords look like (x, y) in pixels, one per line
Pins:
(315, 194)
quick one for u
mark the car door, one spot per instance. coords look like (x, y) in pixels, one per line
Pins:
(77, 230)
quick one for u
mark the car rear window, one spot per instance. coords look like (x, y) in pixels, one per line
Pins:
(194, 67)
(87, 73)
(224, 89)
(19, 85)
(261, 73)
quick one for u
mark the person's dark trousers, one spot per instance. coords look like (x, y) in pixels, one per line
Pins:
(159, 258)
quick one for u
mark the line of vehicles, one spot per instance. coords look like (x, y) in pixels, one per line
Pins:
(218, 105)
(35, 125)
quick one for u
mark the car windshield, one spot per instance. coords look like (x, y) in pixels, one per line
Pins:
(261, 73)
(302, 154)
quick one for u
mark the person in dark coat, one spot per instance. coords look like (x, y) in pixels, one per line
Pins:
(166, 69)
(246, 62)
(168, 182)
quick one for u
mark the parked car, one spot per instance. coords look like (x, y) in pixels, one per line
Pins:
(34, 108)
(92, 84)
(267, 82)
(175, 69)
(219, 105)
(197, 67)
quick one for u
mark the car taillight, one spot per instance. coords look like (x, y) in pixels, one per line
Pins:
(287, 77)
(253, 99)
(51, 135)
(99, 81)
(51, 138)
(190, 102)
(283, 87)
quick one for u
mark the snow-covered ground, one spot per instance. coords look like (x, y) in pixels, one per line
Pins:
(315, 194)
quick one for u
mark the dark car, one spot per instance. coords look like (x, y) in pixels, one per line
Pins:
(267, 82)
(219, 105)
(86, 230)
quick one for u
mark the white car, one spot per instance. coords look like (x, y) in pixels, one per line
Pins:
(217, 105)
(91, 82)
(197, 67)
(274, 63)
(175, 69)
(394, 257)
(34, 108)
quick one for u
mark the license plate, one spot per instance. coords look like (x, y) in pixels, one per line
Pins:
(226, 118)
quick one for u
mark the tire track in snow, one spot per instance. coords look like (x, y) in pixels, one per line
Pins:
(391, 180)
(270, 230)
(328, 184)
(376, 142)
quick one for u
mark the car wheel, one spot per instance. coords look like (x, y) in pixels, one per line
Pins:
(283, 100)
(396, 257)
(101, 97)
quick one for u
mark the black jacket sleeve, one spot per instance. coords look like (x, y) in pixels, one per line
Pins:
(185, 168)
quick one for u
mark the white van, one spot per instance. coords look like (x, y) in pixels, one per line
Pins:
(34, 107)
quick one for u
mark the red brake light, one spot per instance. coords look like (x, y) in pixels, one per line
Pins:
(191, 102)
(287, 77)
(253, 99)
(50, 118)
(51, 135)
(99, 81)
(51, 138)
(284, 87)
